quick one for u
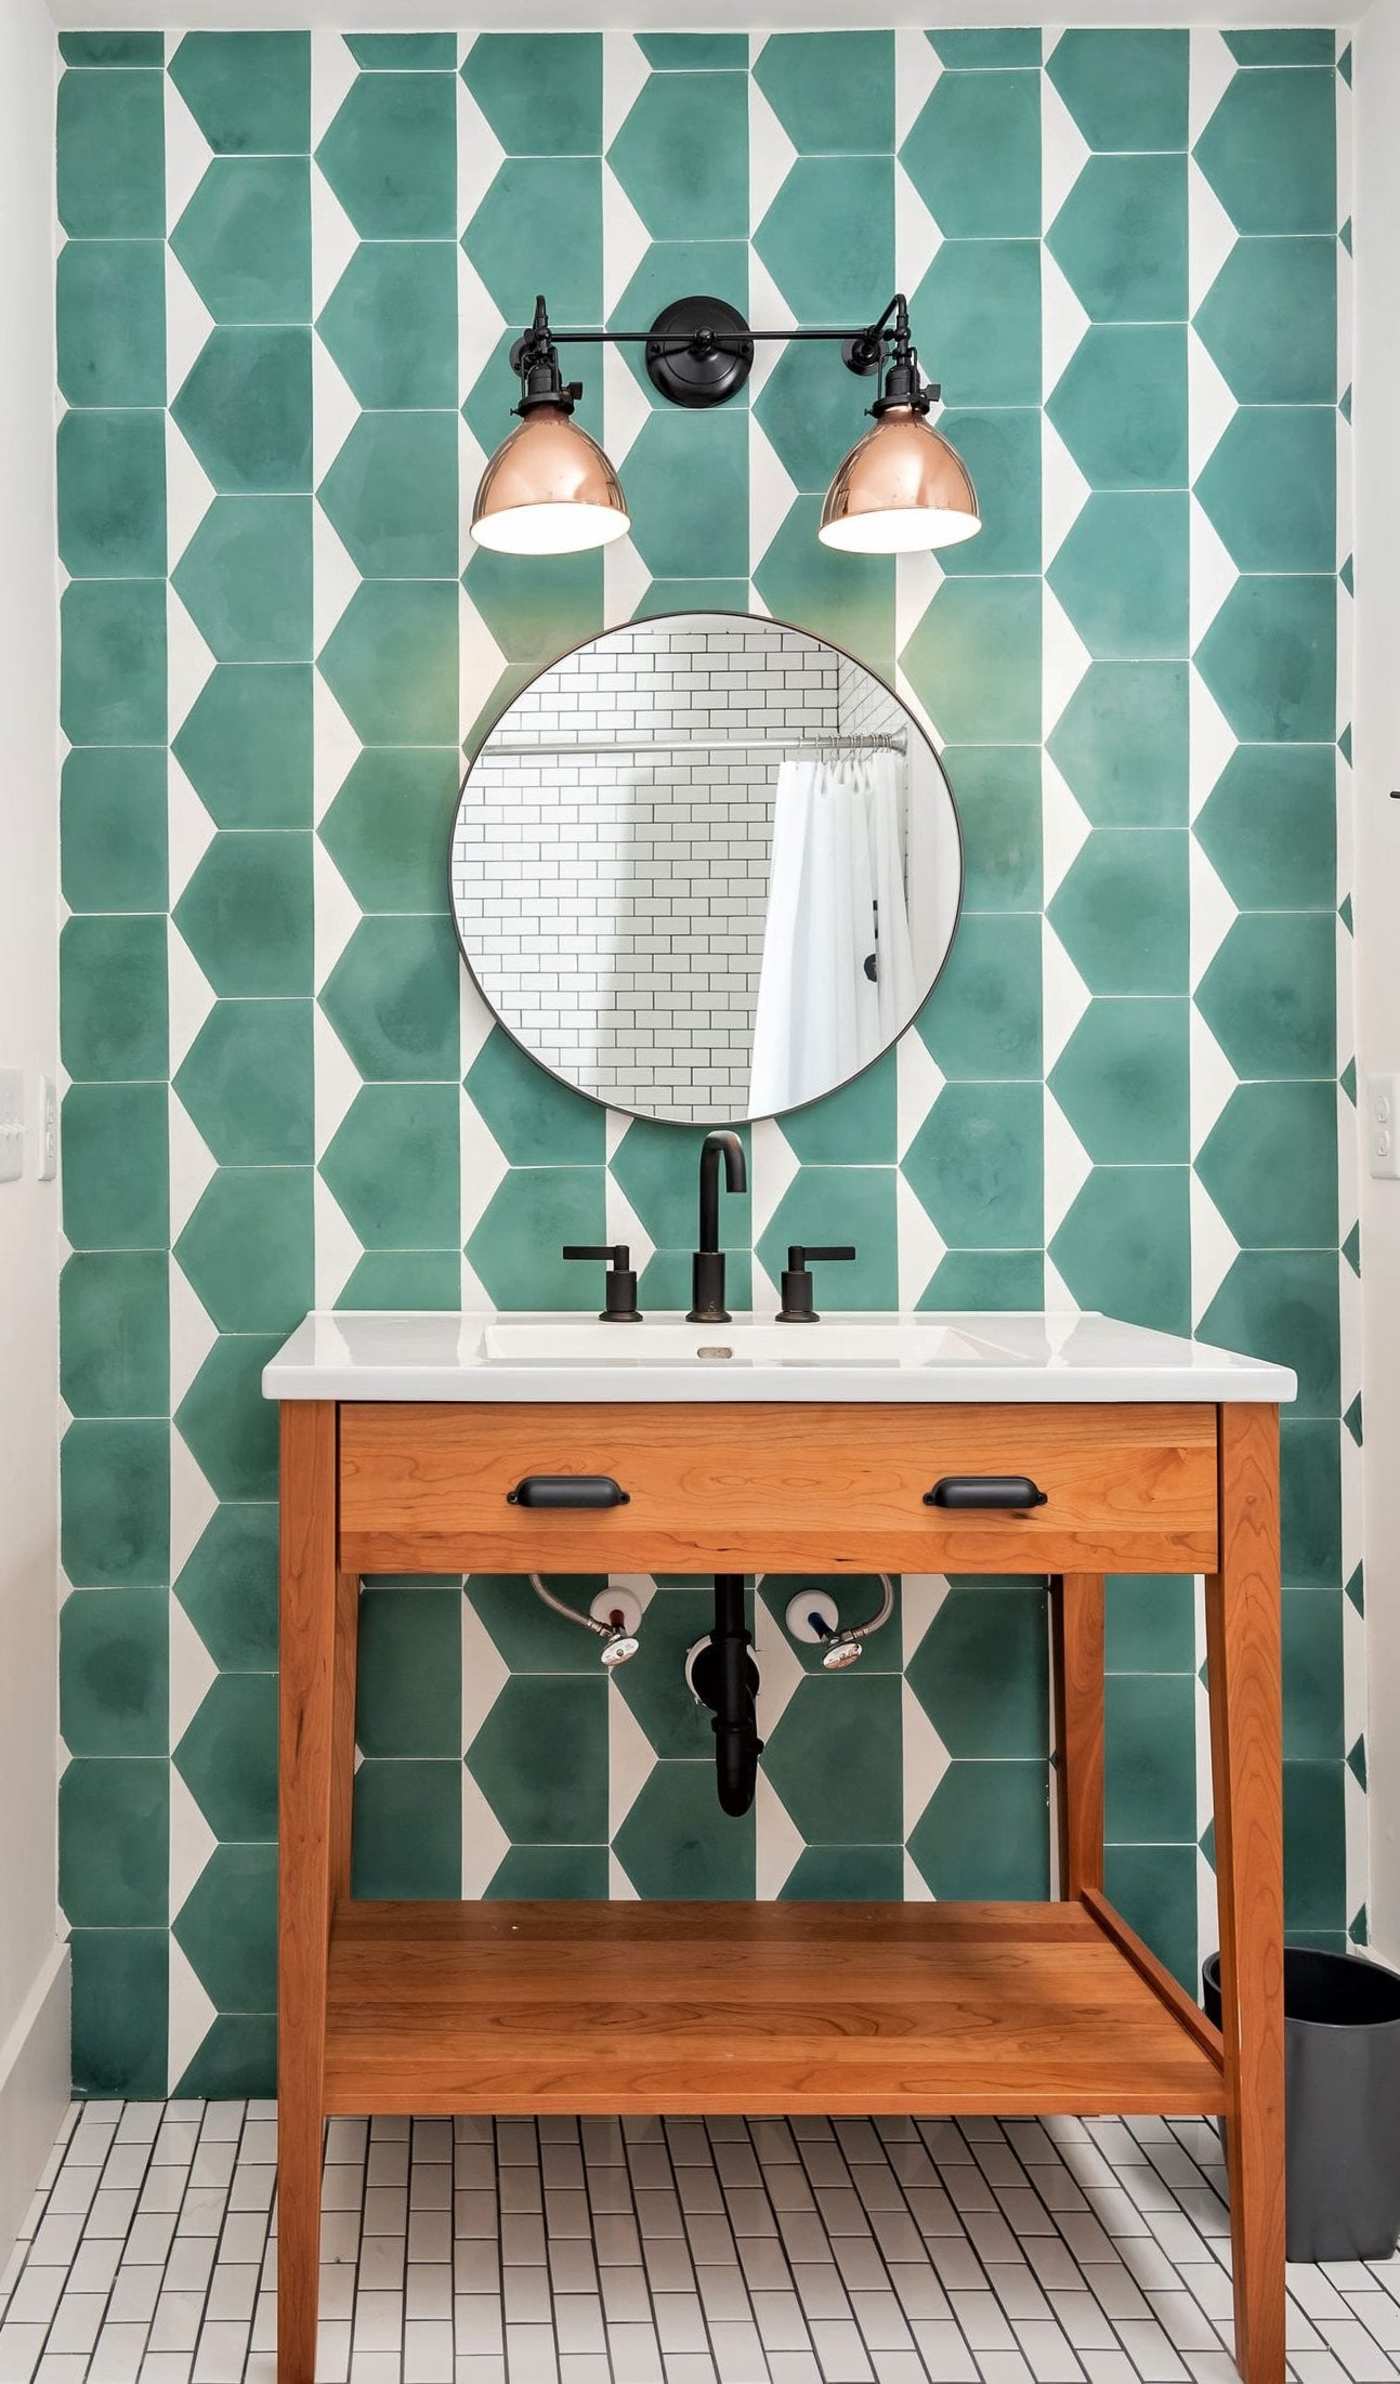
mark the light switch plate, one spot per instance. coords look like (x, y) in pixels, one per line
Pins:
(11, 1124)
(1383, 1125)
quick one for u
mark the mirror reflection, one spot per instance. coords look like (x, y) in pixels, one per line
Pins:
(706, 868)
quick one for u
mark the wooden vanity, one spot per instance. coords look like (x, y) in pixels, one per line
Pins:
(1165, 1464)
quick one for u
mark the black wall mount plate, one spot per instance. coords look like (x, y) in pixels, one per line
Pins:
(862, 353)
(714, 364)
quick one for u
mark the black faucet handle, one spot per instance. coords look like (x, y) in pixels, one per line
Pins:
(620, 1283)
(797, 1281)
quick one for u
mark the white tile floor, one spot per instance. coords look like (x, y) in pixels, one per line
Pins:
(726, 2251)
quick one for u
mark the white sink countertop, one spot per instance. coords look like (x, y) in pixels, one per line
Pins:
(1026, 1356)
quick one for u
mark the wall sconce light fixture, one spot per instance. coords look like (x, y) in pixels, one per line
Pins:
(549, 489)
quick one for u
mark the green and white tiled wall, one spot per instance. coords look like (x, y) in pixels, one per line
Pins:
(288, 265)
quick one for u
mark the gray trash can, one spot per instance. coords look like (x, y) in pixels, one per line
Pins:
(1342, 2070)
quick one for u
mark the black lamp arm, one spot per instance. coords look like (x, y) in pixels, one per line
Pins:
(700, 350)
(869, 336)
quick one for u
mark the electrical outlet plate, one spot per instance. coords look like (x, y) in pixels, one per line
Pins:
(11, 1125)
(1383, 1126)
(46, 1123)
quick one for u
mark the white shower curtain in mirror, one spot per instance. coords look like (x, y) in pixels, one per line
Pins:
(894, 981)
(836, 853)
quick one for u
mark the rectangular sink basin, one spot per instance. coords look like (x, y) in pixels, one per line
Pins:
(830, 1342)
(855, 1359)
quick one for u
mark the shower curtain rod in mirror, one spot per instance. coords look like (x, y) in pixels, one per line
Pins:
(897, 743)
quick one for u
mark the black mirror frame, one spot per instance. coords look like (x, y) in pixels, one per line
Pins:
(648, 1116)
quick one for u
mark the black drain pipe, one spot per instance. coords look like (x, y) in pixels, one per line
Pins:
(726, 1677)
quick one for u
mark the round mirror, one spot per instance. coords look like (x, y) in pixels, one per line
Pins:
(706, 868)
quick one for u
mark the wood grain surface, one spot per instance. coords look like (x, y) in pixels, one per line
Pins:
(310, 1607)
(777, 1488)
(663, 2007)
(1243, 1658)
(1077, 1659)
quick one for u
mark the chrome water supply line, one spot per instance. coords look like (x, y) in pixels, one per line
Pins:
(619, 1644)
(841, 1649)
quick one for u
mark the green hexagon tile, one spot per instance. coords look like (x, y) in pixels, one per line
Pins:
(1131, 1089)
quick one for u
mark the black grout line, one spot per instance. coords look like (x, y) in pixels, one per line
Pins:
(111, 2289)
(493, 2139)
(665, 2143)
(1101, 2157)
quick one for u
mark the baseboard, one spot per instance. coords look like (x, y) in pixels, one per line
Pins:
(34, 2087)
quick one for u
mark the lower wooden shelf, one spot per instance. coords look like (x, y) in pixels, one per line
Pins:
(658, 2007)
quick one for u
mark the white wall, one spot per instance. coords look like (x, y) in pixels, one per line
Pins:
(1376, 413)
(33, 2015)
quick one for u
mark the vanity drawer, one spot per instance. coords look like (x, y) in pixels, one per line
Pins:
(731, 1488)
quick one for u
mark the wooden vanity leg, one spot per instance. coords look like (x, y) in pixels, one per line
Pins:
(347, 1635)
(1243, 1634)
(308, 1701)
(1076, 1639)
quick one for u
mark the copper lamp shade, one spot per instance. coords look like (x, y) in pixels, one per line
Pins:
(901, 488)
(548, 490)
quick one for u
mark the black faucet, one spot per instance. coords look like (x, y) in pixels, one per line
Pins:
(707, 1267)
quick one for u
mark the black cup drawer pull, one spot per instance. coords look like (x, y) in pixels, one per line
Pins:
(567, 1490)
(1014, 1490)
